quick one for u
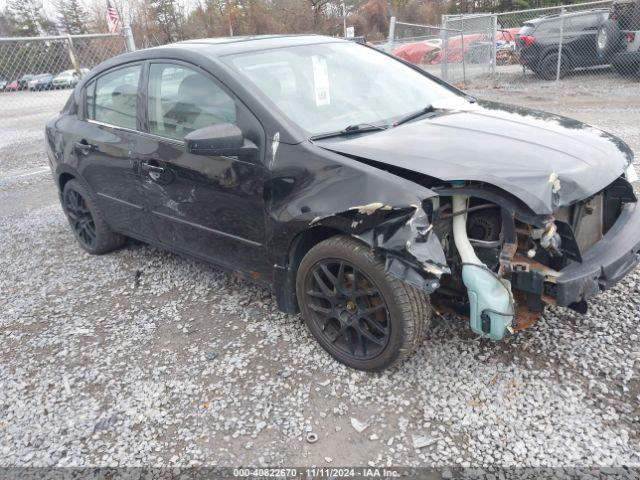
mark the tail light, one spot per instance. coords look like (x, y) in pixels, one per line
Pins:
(631, 37)
(527, 40)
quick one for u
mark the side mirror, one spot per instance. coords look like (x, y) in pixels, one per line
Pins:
(220, 139)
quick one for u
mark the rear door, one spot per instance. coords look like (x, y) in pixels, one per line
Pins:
(104, 143)
(209, 206)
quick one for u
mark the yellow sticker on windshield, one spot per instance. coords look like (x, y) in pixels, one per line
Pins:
(321, 80)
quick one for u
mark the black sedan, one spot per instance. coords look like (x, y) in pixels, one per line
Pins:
(366, 193)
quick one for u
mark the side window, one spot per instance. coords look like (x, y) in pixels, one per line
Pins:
(582, 22)
(112, 98)
(182, 100)
(548, 28)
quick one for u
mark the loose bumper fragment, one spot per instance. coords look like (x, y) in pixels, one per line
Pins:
(403, 234)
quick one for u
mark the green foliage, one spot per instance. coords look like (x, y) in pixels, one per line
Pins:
(27, 20)
(169, 19)
(72, 17)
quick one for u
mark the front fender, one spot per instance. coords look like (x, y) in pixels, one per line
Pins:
(381, 209)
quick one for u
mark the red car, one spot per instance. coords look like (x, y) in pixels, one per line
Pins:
(431, 52)
(12, 87)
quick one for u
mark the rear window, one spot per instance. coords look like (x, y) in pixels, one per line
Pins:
(583, 22)
(112, 98)
(549, 27)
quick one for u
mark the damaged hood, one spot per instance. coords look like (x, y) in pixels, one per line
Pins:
(545, 160)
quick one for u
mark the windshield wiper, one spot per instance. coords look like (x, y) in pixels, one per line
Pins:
(414, 115)
(351, 130)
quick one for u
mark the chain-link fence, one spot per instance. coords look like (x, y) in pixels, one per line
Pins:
(437, 49)
(478, 48)
(595, 43)
(36, 72)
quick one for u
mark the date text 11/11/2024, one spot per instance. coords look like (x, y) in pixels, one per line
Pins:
(317, 472)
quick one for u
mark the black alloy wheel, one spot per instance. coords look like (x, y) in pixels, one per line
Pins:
(348, 309)
(89, 227)
(358, 312)
(80, 218)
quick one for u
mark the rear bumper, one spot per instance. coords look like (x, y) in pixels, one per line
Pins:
(527, 57)
(606, 263)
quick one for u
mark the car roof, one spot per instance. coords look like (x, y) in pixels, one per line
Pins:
(556, 16)
(212, 49)
(221, 46)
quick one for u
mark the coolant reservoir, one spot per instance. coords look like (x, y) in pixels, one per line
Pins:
(490, 302)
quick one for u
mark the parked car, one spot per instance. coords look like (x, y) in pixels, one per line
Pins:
(476, 48)
(359, 188)
(539, 39)
(619, 37)
(69, 78)
(23, 82)
(43, 81)
(12, 86)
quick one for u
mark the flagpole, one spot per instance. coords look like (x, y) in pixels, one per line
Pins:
(119, 15)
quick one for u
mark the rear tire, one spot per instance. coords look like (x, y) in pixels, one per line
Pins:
(609, 40)
(86, 221)
(548, 66)
(364, 317)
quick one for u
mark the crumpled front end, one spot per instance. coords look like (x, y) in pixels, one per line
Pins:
(404, 236)
(561, 259)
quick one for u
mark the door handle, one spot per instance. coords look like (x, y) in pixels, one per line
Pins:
(147, 167)
(85, 147)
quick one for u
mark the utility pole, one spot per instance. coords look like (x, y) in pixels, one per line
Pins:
(344, 20)
(229, 19)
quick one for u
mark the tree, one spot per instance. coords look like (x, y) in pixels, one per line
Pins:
(317, 7)
(28, 19)
(7, 26)
(24, 15)
(72, 17)
(169, 19)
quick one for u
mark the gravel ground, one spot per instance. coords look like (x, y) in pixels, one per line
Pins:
(142, 357)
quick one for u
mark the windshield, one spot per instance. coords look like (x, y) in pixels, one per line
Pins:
(325, 88)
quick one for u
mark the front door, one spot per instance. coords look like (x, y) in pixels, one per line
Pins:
(104, 144)
(208, 206)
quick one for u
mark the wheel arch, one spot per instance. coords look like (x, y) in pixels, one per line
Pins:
(348, 196)
(299, 246)
(403, 237)
(567, 52)
(65, 173)
(63, 179)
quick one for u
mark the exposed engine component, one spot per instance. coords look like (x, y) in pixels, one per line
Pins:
(484, 225)
(550, 240)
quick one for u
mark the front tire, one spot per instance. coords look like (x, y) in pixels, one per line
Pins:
(86, 221)
(364, 317)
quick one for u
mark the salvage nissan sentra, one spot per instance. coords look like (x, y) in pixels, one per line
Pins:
(365, 192)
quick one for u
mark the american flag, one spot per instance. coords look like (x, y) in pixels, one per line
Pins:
(113, 19)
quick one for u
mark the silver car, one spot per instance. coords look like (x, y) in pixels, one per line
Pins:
(69, 78)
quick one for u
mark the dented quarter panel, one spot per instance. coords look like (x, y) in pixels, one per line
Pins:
(543, 159)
